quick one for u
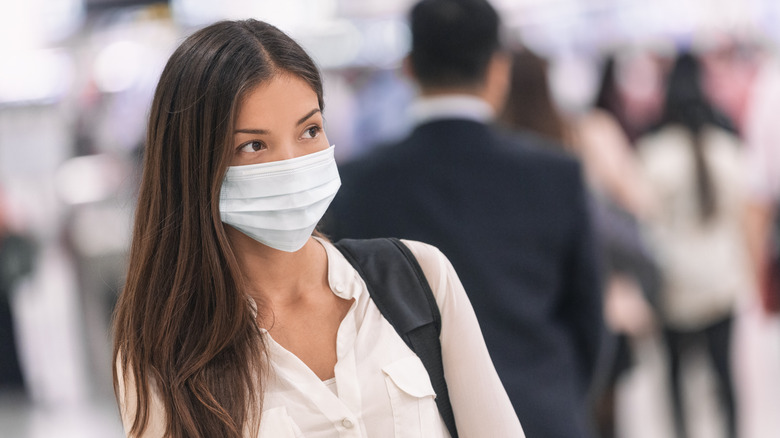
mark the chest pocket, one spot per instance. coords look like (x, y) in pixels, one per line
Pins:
(412, 400)
(276, 423)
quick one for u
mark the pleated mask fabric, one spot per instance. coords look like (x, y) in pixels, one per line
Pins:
(280, 203)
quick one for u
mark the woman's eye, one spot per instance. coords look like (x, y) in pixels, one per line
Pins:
(311, 132)
(252, 146)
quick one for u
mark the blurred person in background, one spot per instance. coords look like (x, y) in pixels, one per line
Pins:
(621, 197)
(631, 91)
(17, 256)
(694, 165)
(631, 276)
(507, 210)
(235, 320)
(17, 259)
(729, 68)
(530, 105)
(601, 140)
(762, 141)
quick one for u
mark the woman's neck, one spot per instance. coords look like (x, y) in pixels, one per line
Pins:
(279, 278)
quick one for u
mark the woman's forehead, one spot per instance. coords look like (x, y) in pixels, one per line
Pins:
(278, 96)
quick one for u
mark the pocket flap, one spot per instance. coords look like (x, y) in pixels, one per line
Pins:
(409, 375)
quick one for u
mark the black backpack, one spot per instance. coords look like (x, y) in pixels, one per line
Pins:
(400, 290)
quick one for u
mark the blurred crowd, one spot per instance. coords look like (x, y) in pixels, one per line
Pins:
(677, 137)
(681, 160)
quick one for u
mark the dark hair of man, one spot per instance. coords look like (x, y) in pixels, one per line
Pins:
(687, 105)
(452, 41)
(183, 325)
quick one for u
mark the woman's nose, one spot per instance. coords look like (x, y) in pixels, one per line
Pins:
(287, 150)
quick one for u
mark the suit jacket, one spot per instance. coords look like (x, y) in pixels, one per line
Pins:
(511, 216)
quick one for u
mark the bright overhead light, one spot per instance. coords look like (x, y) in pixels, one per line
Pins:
(119, 66)
(31, 24)
(287, 15)
(332, 44)
(36, 75)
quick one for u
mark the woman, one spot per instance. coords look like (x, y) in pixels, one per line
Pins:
(694, 164)
(235, 321)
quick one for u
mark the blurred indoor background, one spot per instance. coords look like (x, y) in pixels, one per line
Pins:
(76, 79)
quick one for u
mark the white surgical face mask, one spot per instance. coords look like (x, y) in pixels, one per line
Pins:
(279, 203)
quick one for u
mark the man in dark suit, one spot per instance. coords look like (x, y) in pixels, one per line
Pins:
(510, 215)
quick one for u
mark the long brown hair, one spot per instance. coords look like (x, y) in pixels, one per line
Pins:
(183, 326)
(530, 105)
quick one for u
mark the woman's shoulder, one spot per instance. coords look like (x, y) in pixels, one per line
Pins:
(437, 268)
(664, 135)
(427, 255)
(663, 144)
(422, 248)
(723, 138)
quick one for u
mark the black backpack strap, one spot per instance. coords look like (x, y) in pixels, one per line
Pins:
(400, 290)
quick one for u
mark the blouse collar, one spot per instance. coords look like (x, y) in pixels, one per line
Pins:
(343, 279)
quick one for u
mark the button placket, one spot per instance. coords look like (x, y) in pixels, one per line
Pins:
(296, 373)
(346, 367)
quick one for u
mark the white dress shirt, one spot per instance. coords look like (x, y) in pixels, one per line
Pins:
(451, 106)
(381, 388)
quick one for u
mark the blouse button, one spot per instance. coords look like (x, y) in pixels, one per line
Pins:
(339, 288)
(347, 423)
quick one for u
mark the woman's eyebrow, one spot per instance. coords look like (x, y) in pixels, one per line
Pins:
(306, 117)
(251, 131)
(265, 131)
